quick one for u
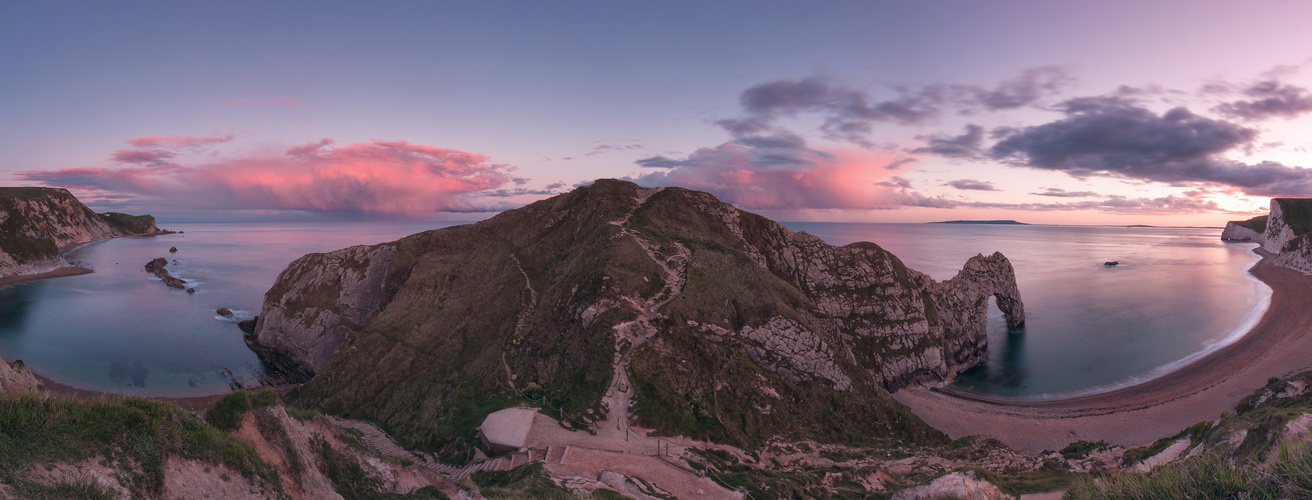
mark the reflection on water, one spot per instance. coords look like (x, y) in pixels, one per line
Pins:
(121, 329)
(1176, 292)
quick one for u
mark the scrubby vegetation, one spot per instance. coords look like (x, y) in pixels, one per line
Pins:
(1265, 463)
(525, 481)
(1257, 224)
(227, 411)
(1297, 213)
(131, 434)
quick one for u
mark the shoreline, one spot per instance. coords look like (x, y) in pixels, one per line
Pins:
(1160, 407)
(8, 281)
(195, 404)
(70, 270)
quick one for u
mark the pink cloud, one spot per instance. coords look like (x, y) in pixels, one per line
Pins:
(179, 141)
(799, 179)
(277, 101)
(394, 178)
(142, 156)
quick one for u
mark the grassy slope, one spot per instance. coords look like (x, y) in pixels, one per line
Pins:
(430, 366)
(1257, 466)
(129, 224)
(692, 386)
(135, 435)
(1257, 224)
(442, 338)
(1298, 214)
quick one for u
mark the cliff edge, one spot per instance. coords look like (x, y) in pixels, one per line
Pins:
(36, 222)
(721, 324)
(1285, 232)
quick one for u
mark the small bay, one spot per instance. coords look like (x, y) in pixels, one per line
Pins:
(1175, 293)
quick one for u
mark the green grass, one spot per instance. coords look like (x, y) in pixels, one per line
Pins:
(129, 224)
(135, 435)
(1257, 224)
(83, 488)
(525, 481)
(1298, 214)
(1203, 477)
(29, 193)
(227, 412)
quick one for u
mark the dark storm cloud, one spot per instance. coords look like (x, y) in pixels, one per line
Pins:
(1031, 86)
(966, 145)
(1062, 193)
(971, 185)
(1109, 136)
(1269, 99)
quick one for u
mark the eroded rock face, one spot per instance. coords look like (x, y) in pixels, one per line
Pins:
(1289, 239)
(1235, 232)
(36, 222)
(1278, 232)
(320, 303)
(17, 378)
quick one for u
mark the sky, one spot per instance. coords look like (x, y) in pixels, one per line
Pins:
(1059, 112)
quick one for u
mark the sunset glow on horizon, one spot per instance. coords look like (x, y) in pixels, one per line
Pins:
(1165, 113)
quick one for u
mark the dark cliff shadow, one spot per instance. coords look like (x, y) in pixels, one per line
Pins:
(15, 307)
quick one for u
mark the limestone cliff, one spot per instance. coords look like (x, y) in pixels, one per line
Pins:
(1245, 230)
(35, 222)
(733, 327)
(1286, 232)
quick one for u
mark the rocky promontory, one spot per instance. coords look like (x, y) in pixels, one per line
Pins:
(35, 222)
(731, 326)
(1286, 232)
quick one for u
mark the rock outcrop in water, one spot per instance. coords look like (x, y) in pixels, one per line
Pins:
(35, 222)
(733, 327)
(1286, 232)
(157, 267)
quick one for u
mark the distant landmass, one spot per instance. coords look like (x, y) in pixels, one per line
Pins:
(1003, 222)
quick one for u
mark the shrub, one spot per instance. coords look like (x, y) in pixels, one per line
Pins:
(227, 411)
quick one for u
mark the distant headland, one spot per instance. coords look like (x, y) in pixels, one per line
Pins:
(995, 222)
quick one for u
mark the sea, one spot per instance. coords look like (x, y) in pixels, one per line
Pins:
(1176, 294)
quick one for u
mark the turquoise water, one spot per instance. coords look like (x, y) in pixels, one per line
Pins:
(1176, 293)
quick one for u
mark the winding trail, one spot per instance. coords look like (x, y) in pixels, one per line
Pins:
(1279, 346)
(631, 335)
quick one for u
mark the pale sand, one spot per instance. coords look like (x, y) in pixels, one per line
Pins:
(8, 281)
(1280, 345)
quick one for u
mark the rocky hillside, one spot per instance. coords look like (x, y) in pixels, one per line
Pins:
(36, 221)
(730, 327)
(1286, 232)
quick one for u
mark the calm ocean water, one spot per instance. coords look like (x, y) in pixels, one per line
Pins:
(120, 329)
(1176, 293)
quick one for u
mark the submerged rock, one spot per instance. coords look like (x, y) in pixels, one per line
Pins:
(225, 312)
(1111, 263)
(173, 249)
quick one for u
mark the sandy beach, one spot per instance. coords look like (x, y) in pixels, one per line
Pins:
(8, 281)
(1278, 346)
